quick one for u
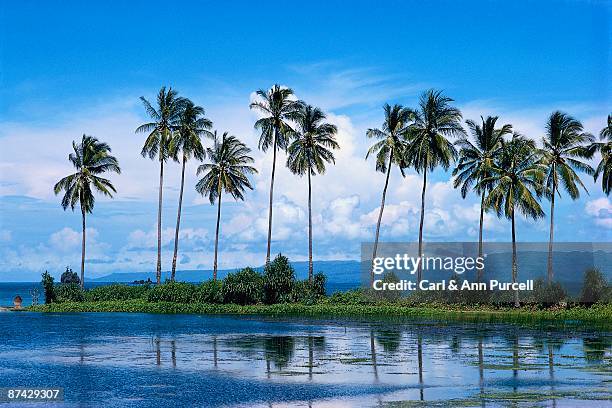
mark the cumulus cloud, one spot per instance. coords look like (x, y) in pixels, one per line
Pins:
(345, 199)
(601, 211)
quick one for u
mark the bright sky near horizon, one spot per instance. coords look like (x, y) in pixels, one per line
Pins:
(79, 67)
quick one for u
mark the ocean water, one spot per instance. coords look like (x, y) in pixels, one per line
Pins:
(146, 360)
(8, 291)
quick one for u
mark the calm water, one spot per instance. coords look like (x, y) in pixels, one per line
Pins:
(190, 360)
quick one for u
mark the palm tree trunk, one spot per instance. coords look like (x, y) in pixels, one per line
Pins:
(271, 196)
(480, 271)
(309, 229)
(178, 221)
(83, 252)
(550, 241)
(217, 235)
(420, 267)
(514, 265)
(382, 207)
(159, 219)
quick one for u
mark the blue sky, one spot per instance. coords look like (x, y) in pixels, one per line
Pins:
(79, 67)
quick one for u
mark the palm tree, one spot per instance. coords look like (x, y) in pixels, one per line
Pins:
(434, 121)
(227, 171)
(516, 183)
(278, 107)
(605, 165)
(308, 154)
(389, 150)
(475, 161)
(564, 143)
(91, 158)
(187, 143)
(160, 131)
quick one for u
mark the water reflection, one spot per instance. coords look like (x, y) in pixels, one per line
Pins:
(470, 364)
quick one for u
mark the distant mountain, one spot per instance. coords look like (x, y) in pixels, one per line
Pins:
(340, 274)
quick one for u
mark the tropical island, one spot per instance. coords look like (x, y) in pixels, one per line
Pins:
(508, 171)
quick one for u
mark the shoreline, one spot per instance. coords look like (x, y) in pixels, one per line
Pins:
(599, 315)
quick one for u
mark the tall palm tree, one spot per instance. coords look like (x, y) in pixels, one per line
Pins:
(186, 144)
(434, 121)
(279, 108)
(90, 158)
(604, 168)
(389, 150)
(564, 143)
(160, 130)
(517, 180)
(475, 161)
(227, 171)
(308, 154)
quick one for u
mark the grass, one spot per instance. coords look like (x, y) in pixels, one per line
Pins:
(597, 314)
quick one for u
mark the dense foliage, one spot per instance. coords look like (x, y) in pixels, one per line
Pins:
(47, 283)
(117, 292)
(278, 280)
(69, 292)
(548, 293)
(595, 288)
(243, 287)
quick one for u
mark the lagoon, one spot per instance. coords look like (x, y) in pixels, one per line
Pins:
(150, 360)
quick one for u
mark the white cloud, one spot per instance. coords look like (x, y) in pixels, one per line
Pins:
(68, 239)
(601, 210)
(345, 198)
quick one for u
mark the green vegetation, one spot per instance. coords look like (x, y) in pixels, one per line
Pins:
(595, 288)
(428, 147)
(564, 144)
(279, 109)
(227, 171)
(309, 152)
(278, 280)
(389, 151)
(509, 173)
(187, 143)
(516, 184)
(475, 162)
(277, 292)
(604, 168)
(91, 159)
(599, 314)
(47, 283)
(243, 287)
(165, 122)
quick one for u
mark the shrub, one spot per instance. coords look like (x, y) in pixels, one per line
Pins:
(307, 292)
(70, 277)
(243, 287)
(177, 292)
(548, 293)
(208, 292)
(278, 280)
(48, 286)
(117, 292)
(318, 283)
(69, 292)
(351, 297)
(595, 287)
